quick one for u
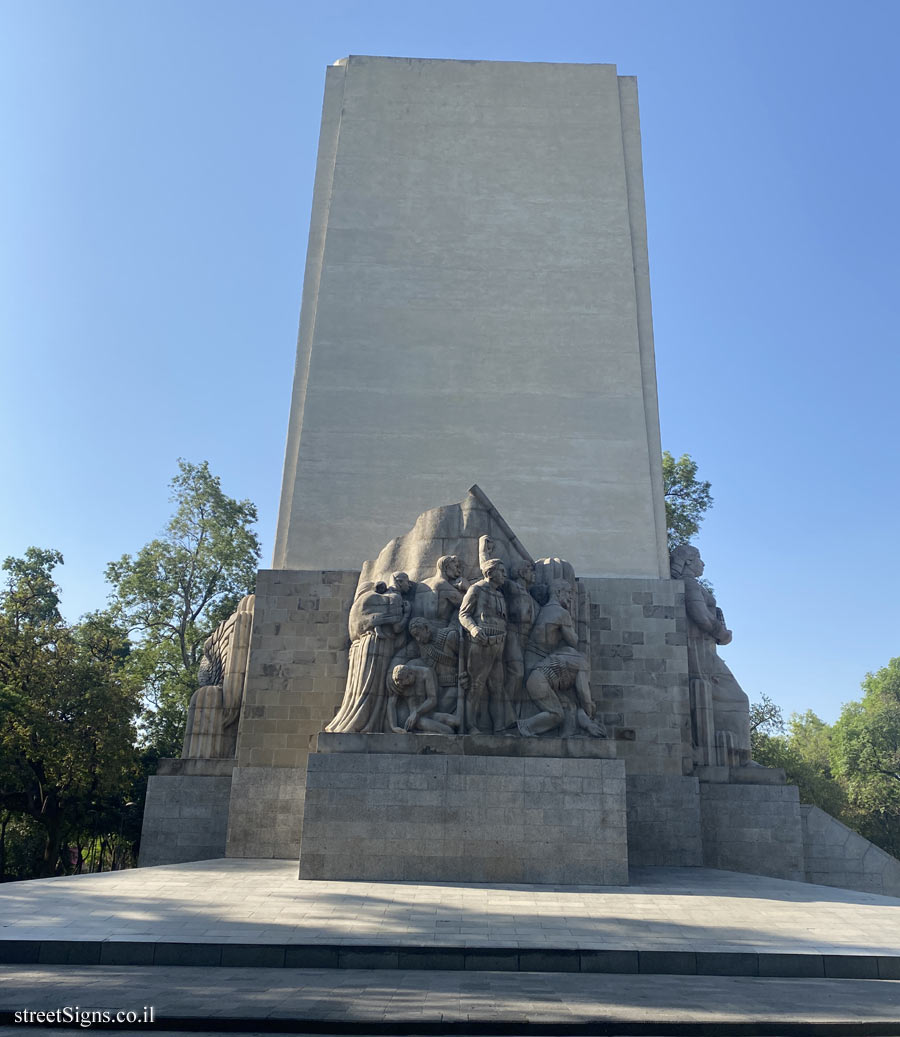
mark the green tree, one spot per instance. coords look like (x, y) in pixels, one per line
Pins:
(67, 707)
(765, 719)
(866, 756)
(175, 591)
(687, 498)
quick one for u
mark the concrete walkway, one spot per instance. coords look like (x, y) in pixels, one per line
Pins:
(444, 958)
(262, 902)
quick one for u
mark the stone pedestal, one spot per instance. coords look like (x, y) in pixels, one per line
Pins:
(416, 812)
(186, 812)
(753, 828)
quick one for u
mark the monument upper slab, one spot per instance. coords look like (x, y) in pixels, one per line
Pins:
(476, 307)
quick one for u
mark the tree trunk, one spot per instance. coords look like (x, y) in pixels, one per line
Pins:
(51, 847)
(3, 825)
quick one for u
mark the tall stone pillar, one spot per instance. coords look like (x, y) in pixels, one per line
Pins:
(476, 308)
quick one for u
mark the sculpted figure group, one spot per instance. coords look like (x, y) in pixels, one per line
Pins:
(444, 657)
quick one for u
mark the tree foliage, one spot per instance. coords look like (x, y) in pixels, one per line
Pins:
(687, 498)
(174, 592)
(866, 756)
(67, 708)
(851, 769)
(765, 718)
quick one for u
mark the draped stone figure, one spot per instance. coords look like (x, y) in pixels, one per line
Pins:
(378, 617)
(720, 710)
(215, 707)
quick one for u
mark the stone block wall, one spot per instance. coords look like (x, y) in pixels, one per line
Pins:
(462, 818)
(752, 828)
(639, 673)
(663, 821)
(185, 818)
(835, 855)
(295, 682)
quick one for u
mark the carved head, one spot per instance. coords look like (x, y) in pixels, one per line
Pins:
(449, 567)
(494, 570)
(403, 677)
(419, 630)
(685, 561)
(561, 592)
(400, 581)
(525, 572)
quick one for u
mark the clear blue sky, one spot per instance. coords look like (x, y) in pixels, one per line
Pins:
(155, 185)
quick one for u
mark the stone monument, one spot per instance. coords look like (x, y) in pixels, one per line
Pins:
(464, 740)
(476, 306)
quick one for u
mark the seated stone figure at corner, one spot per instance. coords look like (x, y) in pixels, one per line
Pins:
(215, 707)
(415, 686)
(482, 616)
(554, 666)
(724, 737)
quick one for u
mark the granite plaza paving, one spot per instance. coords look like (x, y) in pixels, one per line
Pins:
(526, 944)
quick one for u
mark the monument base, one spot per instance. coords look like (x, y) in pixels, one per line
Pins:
(454, 816)
(753, 828)
(186, 812)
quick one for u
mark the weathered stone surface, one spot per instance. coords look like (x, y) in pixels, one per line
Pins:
(752, 828)
(185, 818)
(196, 768)
(448, 530)
(298, 668)
(477, 257)
(266, 812)
(663, 821)
(507, 653)
(466, 745)
(215, 707)
(720, 710)
(640, 685)
(834, 855)
(464, 818)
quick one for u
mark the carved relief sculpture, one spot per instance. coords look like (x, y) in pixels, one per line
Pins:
(377, 617)
(440, 596)
(438, 647)
(482, 616)
(412, 689)
(434, 653)
(556, 666)
(214, 709)
(720, 710)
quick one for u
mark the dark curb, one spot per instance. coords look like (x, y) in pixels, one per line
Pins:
(760, 1027)
(451, 959)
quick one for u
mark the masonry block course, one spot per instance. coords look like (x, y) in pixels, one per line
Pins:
(185, 819)
(835, 855)
(464, 818)
(639, 672)
(297, 672)
(752, 828)
(295, 680)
